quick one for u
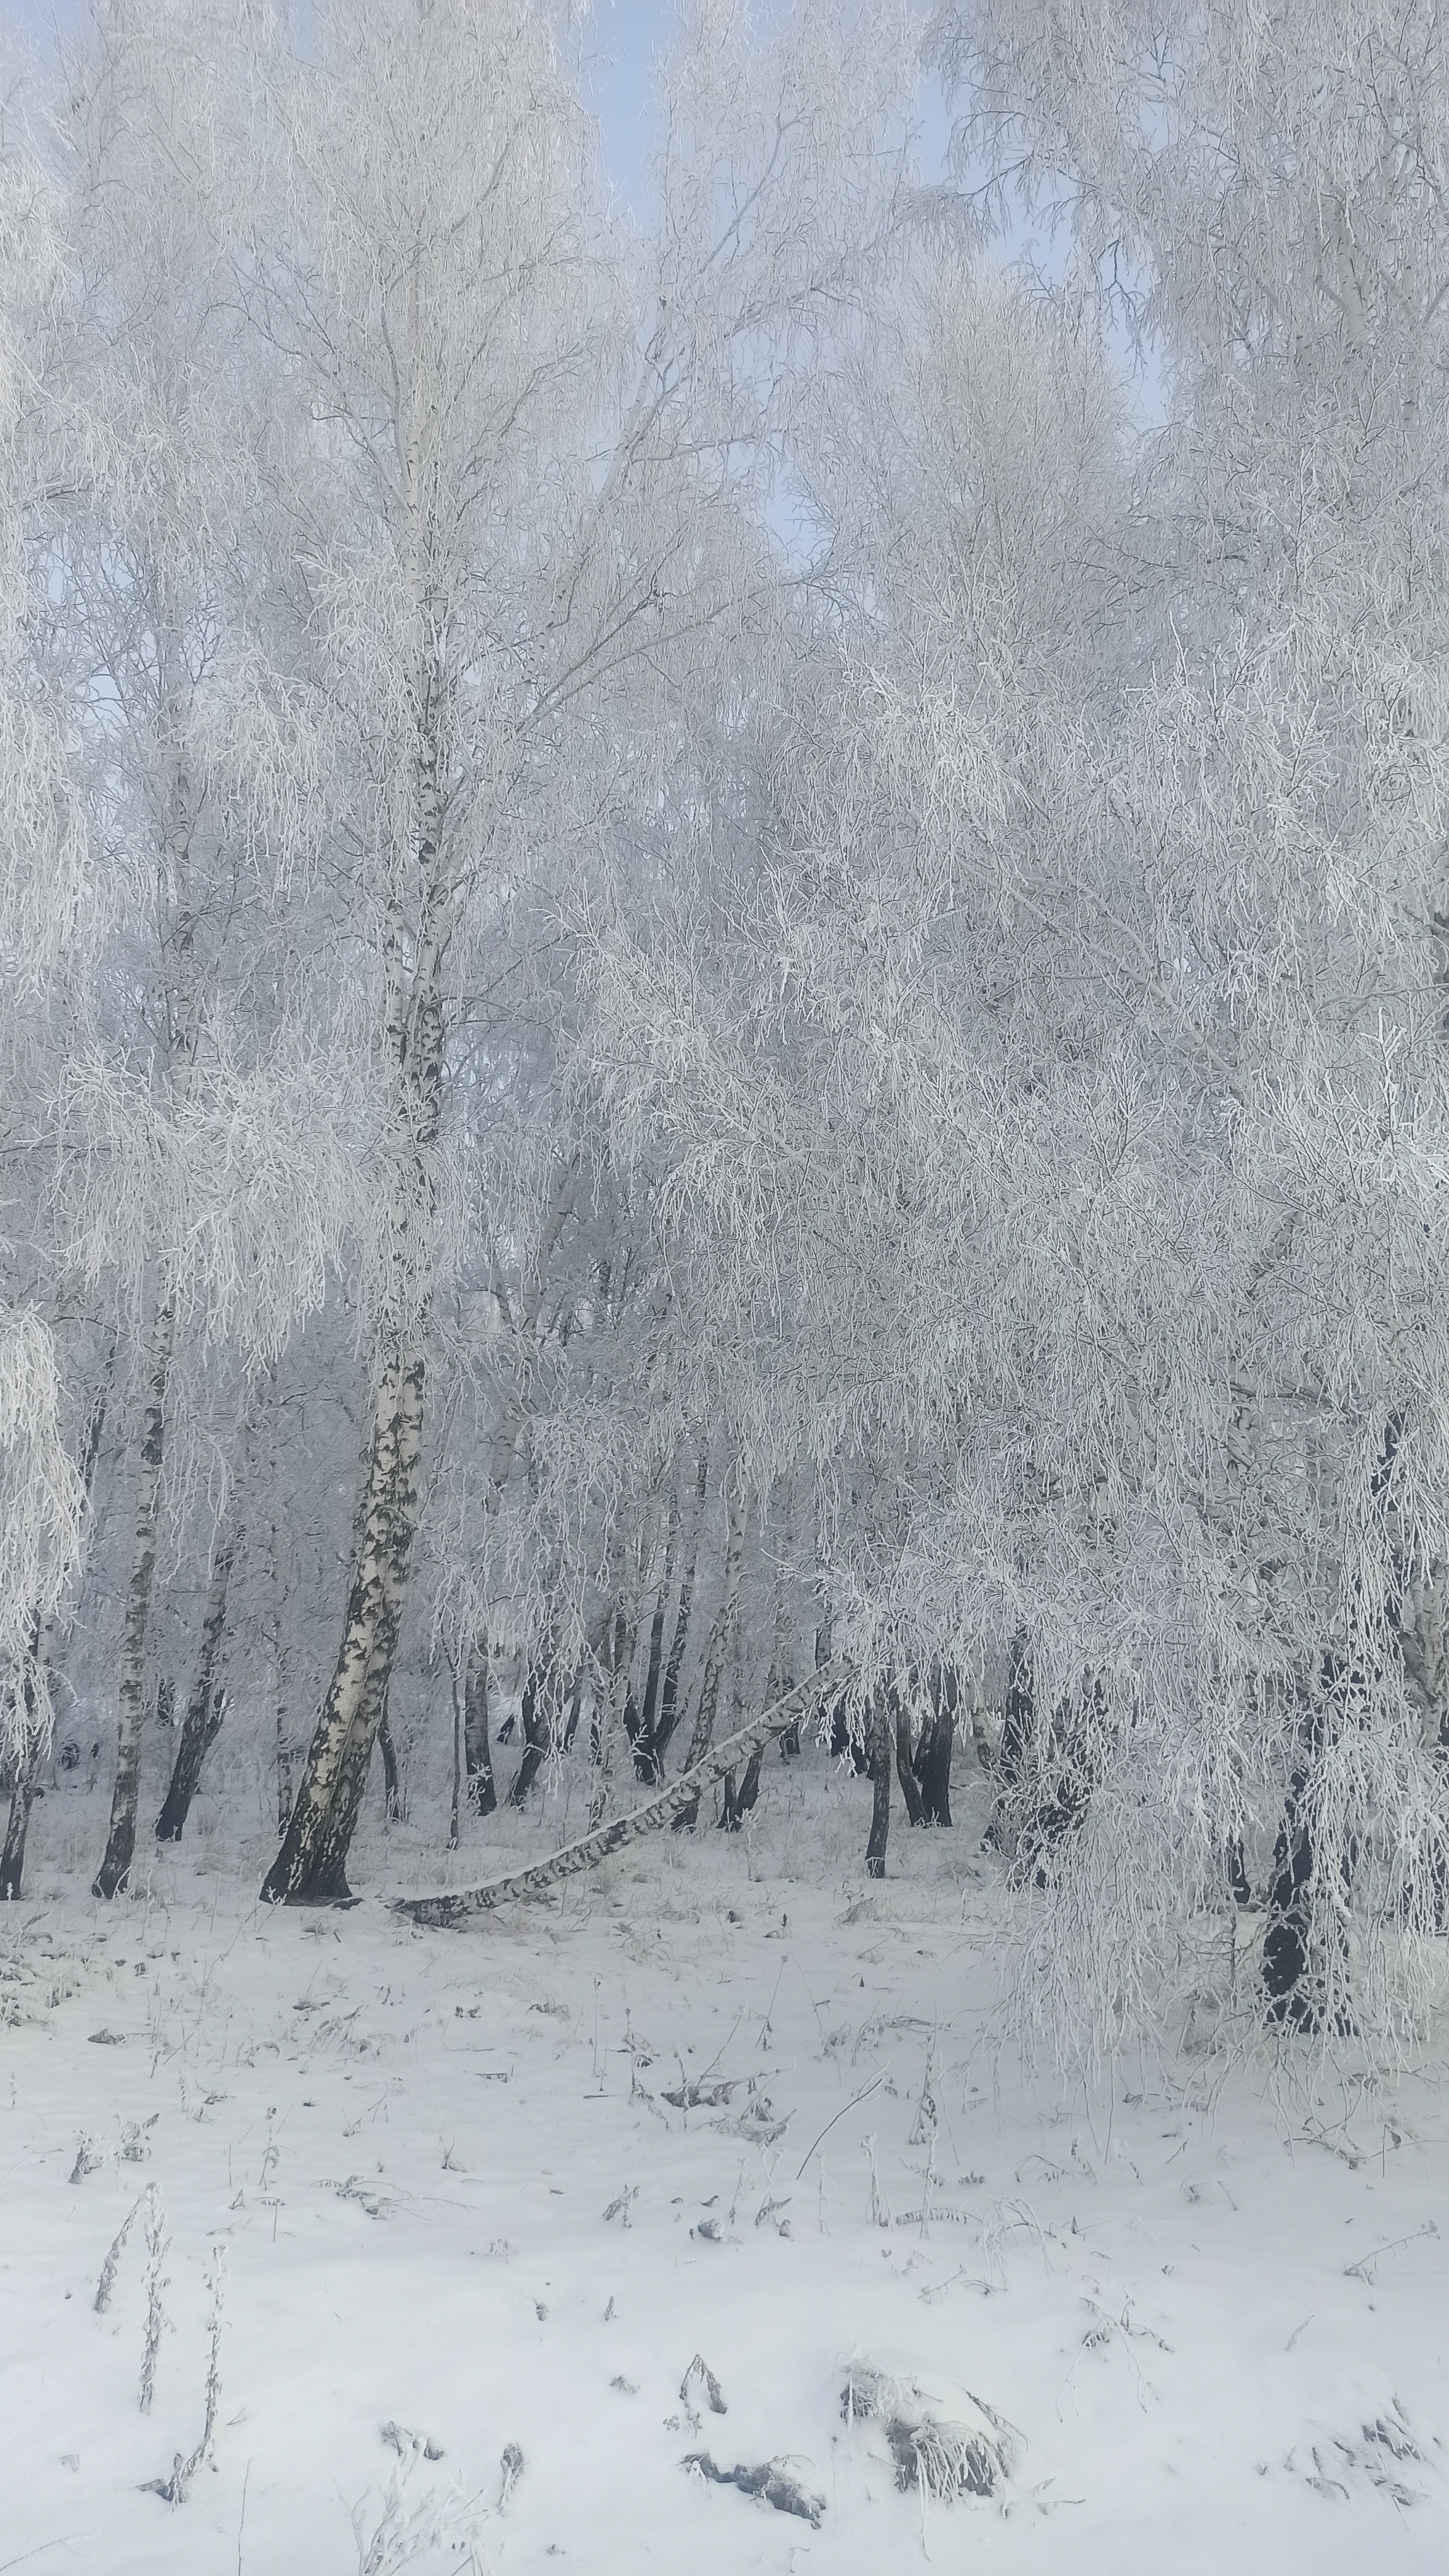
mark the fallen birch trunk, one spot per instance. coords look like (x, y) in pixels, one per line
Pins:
(454, 1904)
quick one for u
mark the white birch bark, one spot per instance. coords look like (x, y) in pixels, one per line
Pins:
(453, 1906)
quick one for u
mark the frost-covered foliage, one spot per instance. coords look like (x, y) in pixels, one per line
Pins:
(762, 942)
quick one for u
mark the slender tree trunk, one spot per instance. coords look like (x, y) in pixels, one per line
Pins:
(27, 1765)
(391, 1784)
(455, 1804)
(721, 1637)
(880, 1772)
(933, 1753)
(115, 1868)
(842, 1741)
(735, 1808)
(651, 1767)
(207, 1704)
(781, 1679)
(1018, 1722)
(648, 1768)
(622, 1635)
(277, 1603)
(1304, 1990)
(1238, 1881)
(311, 1867)
(537, 1717)
(576, 1709)
(1285, 1941)
(35, 1730)
(477, 1751)
(905, 1761)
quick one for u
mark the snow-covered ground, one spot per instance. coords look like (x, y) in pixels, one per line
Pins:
(454, 2198)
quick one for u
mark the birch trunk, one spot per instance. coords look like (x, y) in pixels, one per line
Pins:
(204, 1710)
(115, 1868)
(453, 1906)
(311, 1867)
(27, 1768)
(36, 1729)
(207, 1704)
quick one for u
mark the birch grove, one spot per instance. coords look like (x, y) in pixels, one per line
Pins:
(724, 953)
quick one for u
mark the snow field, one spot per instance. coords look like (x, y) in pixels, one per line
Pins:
(455, 2200)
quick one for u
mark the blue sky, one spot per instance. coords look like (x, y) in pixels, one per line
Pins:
(627, 34)
(623, 37)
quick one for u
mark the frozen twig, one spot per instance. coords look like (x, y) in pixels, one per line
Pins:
(183, 2471)
(863, 2095)
(699, 2369)
(158, 2246)
(107, 2281)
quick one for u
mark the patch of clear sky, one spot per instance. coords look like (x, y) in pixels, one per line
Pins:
(619, 43)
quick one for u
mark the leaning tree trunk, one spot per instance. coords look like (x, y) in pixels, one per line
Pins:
(115, 1868)
(207, 1704)
(454, 1905)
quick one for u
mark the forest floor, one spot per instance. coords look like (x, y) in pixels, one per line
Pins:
(495, 2190)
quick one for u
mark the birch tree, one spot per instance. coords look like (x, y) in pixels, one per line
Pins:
(511, 510)
(47, 921)
(197, 776)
